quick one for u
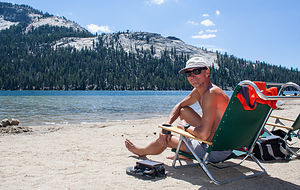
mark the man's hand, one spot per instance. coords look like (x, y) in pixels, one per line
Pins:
(181, 124)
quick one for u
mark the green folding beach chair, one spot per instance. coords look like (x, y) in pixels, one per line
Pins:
(238, 128)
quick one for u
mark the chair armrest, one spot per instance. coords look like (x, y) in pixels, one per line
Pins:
(183, 132)
(280, 126)
(264, 97)
(287, 119)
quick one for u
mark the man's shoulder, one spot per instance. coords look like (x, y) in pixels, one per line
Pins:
(216, 93)
(215, 90)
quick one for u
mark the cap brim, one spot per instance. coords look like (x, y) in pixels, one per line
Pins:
(182, 71)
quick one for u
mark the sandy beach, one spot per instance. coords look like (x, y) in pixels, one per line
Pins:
(93, 156)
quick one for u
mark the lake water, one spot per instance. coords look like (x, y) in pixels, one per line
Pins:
(71, 107)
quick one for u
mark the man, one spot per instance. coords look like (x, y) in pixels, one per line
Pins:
(213, 102)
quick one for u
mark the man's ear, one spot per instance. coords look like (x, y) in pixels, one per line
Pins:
(207, 72)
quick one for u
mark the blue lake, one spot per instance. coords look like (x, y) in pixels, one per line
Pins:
(69, 107)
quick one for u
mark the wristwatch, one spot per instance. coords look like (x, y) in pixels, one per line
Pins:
(186, 126)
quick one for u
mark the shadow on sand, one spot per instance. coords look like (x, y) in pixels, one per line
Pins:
(201, 179)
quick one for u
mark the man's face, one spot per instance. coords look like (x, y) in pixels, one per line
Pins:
(196, 76)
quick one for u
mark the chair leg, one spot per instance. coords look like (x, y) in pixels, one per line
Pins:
(291, 151)
(218, 182)
(258, 163)
(176, 157)
(203, 164)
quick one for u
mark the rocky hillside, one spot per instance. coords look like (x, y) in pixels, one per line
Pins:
(138, 41)
(130, 42)
(11, 14)
(39, 51)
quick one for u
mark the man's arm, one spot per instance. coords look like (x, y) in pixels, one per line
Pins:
(187, 101)
(209, 109)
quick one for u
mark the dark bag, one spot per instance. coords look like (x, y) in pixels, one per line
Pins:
(147, 169)
(281, 133)
(271, 148)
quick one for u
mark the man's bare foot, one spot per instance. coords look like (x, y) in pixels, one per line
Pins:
(134, 149)
(181, 157)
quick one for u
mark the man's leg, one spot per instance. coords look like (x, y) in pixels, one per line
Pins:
(190, 116)
(158, 146)
(155, 147)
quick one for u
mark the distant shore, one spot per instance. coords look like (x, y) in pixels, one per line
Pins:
(93, 156)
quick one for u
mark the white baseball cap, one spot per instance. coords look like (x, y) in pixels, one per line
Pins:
(194, 62)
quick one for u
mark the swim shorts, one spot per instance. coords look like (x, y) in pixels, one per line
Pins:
(200, 150)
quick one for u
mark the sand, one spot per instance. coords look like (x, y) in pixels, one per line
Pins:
(93, 156)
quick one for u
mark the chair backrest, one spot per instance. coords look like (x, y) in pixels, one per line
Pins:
(238, 127)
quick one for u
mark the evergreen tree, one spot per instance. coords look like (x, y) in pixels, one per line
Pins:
(28, 62)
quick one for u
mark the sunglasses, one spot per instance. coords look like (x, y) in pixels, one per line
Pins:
(195, 71)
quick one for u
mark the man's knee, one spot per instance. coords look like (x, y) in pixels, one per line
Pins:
(184, 110)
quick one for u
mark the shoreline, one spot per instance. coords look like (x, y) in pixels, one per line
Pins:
(93, 156)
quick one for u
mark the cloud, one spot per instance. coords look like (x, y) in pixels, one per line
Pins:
(156, 2)
(204, 36)
(95, 28)
(205, 15)
(207, 22)
(201, 32)
(211, 31)
(192, 22)
(218, 12)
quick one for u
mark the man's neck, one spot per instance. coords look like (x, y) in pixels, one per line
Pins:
(201, 90)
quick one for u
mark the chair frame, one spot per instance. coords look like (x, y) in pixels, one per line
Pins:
(291, 130)
(249, 153)
(295, 125)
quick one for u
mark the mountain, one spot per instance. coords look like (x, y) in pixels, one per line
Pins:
(39, 51)
(11, 14)
(130, 42)
(135, 42)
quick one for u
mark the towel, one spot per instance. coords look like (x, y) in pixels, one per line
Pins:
(249, 98)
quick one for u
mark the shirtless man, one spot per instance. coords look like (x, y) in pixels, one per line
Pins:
(213, 102)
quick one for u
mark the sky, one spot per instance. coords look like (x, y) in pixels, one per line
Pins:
(263, 30)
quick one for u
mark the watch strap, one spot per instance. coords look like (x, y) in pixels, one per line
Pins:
(186, 126)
